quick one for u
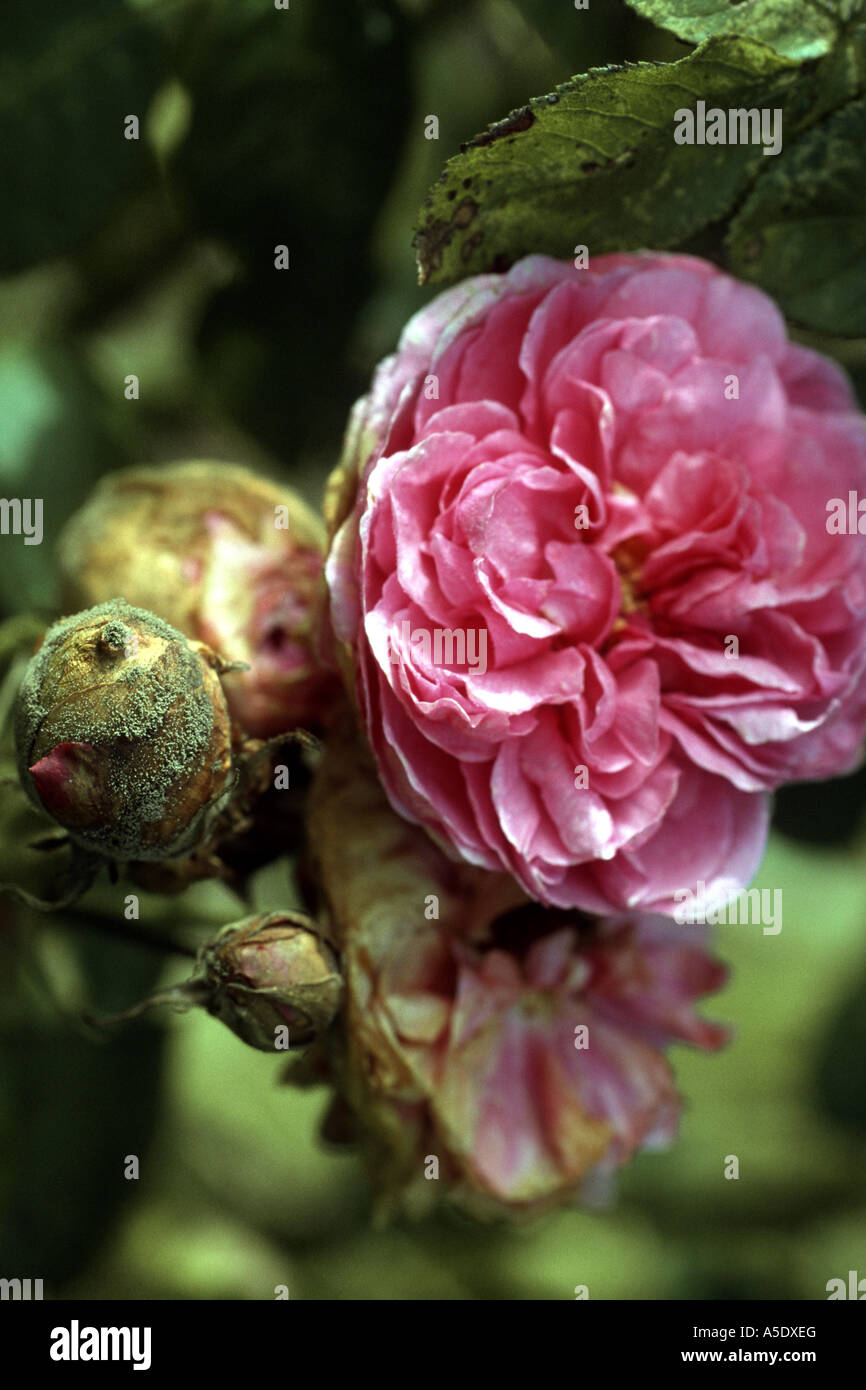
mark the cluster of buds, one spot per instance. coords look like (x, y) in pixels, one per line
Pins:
(521, 1048)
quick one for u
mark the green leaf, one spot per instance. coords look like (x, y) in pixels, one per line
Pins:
(66, 87)
(595, 163)
(801, 235)
(798, 29)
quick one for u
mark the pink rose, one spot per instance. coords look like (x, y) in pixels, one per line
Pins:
(581, 563)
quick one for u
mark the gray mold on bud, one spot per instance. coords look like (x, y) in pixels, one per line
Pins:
(122, 733)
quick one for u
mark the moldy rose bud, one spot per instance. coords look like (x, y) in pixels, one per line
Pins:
(271, 971)
(229, 558)
(123, 734)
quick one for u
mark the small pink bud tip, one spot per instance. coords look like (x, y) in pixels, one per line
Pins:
(65, 777)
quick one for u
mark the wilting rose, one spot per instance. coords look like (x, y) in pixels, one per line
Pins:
(519, 1046)
(611, 486)
(123, 734)
(226, 556)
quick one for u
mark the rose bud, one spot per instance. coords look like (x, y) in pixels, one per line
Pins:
(123, 734)
(272, 979)
(521, 1047)
(583, 578)
(272, 971)
(228, 557)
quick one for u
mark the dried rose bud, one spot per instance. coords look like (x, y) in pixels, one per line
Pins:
(273, 971)
(272, 979)
(123, 733)
(522, 1048)
(226, 556)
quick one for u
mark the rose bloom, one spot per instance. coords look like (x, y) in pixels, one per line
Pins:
(581, 571)
(522, 1047)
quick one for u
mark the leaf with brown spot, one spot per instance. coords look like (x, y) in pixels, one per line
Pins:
(595, 163)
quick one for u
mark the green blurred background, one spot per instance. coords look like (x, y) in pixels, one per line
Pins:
(306, 128)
